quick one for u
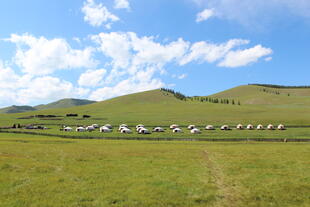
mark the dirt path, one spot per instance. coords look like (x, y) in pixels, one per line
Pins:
(226, 193)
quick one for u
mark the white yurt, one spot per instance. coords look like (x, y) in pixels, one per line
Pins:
(121, 128)
(239, 126)
(108, 126)
(191, 127)
(90, 128)
(95, 126)
(177, 130)
(139, 126)
(144, 131)
(80, 129)
(123, 125)
(195, 131)
(250, 127)
(173, 126)
(68, 129)
(158, 129)
(105, 129)
(225, 127)
(210, 127)
(260, 127)
(126, 131)
(281, 127)
(270, 127)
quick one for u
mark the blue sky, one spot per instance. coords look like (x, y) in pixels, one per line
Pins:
(99, 49)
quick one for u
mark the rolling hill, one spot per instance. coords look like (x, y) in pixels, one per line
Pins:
(63, 103)
(16, 109)
(158, 107)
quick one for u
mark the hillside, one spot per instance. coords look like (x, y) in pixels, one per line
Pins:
(63, 103)
(157, 107)
(16, 109)
(260, 95)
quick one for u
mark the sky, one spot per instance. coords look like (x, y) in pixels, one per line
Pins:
(100, 49)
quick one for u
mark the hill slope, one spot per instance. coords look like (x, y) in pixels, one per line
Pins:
(161, 108)
(64, 103)
(260, 95)
(16, 109)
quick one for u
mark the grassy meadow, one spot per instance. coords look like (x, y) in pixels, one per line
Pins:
(44, 171)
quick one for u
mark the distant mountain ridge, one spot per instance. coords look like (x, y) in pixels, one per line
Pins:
(63, 103)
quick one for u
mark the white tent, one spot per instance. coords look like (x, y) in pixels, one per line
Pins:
(270, 127)
(250, 127)
(191, 126)
(158, 129)
(108, 126)
(210, 127)
(144, 131)
(90, 128)
(173, 126)
(105, 129)
(121, 128)
(95, 126)
(260, 127)
(80, 129)
(68, 129)
(225, 127)
(239, 126)
(281, 127)
(139, 126)
(195, 131)
(123, 125)
(177, 130)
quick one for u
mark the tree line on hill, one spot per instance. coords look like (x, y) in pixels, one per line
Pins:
(277, 86)
(182, 97)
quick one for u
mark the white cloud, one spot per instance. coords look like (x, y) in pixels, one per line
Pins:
(182, 76)
(45, 88)
(121, 4)
(256, 13)
(128, 86)
(210, 52)
(92, 78)
(204, 15)
(40, 56)
(97, 14)
(25, 89)
(244, 57)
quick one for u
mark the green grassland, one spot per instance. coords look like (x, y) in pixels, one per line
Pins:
(291, 133)
(44, 171)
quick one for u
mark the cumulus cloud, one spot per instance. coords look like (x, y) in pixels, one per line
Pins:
(92, 78)
(210, 52)
(97, 14)
(40, 56)
(244, 57)
(141, 82)
(136, 61)
(204, 15)
(121, 4)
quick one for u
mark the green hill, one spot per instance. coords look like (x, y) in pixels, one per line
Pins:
(16, 109)
(64, 103)
(158, 107)
(260, 95)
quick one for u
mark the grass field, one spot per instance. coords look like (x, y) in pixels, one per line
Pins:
(290, 133)
(43, 171)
